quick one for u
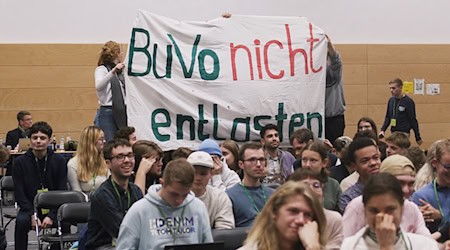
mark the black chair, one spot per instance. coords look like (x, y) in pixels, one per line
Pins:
(53, 200)
(233, 238)
(7, 185)
(73, 213)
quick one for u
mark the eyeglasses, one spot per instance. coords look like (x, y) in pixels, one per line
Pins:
(254, 160)
(121, 157)
(447, 166)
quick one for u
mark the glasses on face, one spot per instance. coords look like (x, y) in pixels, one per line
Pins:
(255, 160)
(102, 139)
(315, 185)
(121, 157)
(446, 166)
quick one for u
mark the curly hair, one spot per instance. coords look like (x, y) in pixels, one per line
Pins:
(109, 52)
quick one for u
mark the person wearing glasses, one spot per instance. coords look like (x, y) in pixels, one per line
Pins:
(434, 198)
(87, 170)
(111, 201)
(249, 196)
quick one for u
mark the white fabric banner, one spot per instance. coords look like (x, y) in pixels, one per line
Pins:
(224, 78)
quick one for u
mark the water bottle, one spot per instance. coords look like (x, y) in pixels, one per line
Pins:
(61, 143)
(54, 143)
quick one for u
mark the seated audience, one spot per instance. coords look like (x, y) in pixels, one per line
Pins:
(230, 151)
(87, 170)
(397, 143)
(38, 170)
(383, 208)
(364, 156)
(367, 123)
(169, 214)
(427, 173)
(249, 196)
(217, 203)
(22, 131)
(314, 157)
(148, 164)
(333, 231)
(181, 152)
(223, 178)
(412, 221)
(127, 133)
(342, 169)
(279, 162)
(111, 201)
(353, 177)
(434, 198)
(417, 156)
(293, 218)
(299, 139)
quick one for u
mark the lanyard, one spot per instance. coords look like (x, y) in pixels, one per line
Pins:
(120, 199)
(178, 228)
(444, 220)
(250, 197)
(394, 112)
(41, 176)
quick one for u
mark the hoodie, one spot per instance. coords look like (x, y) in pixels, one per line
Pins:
(151, 223)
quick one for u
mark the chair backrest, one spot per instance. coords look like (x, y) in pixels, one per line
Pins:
(74, 213)
(55, 198)
(233, 238)
(7, 183)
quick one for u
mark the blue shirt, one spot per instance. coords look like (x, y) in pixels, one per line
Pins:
(245, 199)
(349, 194)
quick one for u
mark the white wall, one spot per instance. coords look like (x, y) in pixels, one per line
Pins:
(346, 21)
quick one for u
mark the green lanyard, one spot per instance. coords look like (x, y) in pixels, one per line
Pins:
(251, 199)
(118, 195)
(444, 220)
(178, 228)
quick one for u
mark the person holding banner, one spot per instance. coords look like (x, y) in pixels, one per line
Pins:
(110, 88)
(334, 95)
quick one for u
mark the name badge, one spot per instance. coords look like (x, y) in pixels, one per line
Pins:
(43, 190)
(393, 122)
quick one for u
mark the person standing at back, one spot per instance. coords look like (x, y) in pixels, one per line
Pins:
(334, 95)
(110, 88)
(401, 112)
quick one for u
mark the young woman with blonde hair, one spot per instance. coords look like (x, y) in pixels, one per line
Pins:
(293, 218)
(87, 170)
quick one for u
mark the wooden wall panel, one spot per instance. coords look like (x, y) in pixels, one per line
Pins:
(401, 54)
(56, 83)
(46, 76)
(48, 98)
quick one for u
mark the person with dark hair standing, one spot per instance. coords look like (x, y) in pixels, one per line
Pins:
(401, 112)
(110, 88)
(334, 95)
(383, 208)
(279, 162)
(38, 170)
(22, 131)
